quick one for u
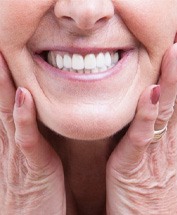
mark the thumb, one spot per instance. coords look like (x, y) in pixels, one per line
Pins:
(129, 152)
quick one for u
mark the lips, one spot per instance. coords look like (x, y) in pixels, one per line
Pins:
(84, 64)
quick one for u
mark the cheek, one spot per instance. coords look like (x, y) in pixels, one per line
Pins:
(19, 19)
(149, 21)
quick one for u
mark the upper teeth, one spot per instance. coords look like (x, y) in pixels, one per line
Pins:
(90, 63)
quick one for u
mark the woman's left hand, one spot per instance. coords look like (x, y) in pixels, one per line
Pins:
(141, 176)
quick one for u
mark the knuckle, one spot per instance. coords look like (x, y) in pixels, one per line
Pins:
(149, 118)
(139, 138)
(165, 114)
(26, 141)
(147, 115)
(22, 120)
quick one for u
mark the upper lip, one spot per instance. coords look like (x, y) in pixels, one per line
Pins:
(83, 50)
(83, 45)
(101, 41)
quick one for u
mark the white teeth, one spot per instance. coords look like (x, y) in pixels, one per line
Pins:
(107, 59)
(77, 62)
(59, 61)
(67, 61)
(100, 60)
(91, 63)
(52, 59)
(115, 58)
(104, 68)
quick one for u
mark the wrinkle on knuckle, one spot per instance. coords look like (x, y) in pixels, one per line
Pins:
(164, 115)
(147, 116)
(26, 141)
(22, 120)
(18, 141)
(139, 139)
(125, 175)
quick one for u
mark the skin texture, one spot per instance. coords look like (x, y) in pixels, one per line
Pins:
(93, 114)
(32, 179)
(38, 27)
(144, 170)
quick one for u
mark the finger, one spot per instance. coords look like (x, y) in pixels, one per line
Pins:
(7, 95)
(168, 84)
(34, 147)
(131, 149)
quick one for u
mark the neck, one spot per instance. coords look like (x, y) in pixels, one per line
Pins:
(84, 164)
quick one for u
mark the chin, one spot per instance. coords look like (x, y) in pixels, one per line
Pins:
(88, 126)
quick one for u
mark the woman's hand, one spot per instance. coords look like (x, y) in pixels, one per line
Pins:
(31, 173)
(141, 172)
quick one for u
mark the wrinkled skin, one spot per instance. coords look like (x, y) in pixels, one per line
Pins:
(31, 173)
(100, 103)
(141, 173)
(90, 114)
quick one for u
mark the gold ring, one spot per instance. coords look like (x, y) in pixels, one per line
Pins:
(159, 134)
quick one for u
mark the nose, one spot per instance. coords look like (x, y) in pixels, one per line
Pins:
(85, 14)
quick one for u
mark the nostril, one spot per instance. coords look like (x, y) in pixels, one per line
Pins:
(85, 23)
(67, 18)
(84, 13)
(103, 19)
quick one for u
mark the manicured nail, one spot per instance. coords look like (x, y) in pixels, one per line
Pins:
(155, 95)
(20, 97)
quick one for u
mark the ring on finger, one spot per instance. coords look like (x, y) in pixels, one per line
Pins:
(158, 134)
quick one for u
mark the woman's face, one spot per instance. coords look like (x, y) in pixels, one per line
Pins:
(90, 94)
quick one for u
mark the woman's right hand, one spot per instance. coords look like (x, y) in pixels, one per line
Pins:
(31, 173)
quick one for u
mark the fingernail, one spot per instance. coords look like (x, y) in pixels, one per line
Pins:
(20, 97)
(155, 95)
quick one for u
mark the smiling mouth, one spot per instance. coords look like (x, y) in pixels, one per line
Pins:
(88, 63)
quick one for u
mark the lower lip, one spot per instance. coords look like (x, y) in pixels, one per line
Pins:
(84, 77)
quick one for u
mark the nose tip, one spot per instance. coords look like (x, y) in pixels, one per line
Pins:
(85, 14)
(87, 19)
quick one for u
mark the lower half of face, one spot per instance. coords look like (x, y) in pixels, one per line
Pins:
(86, 106)
(92, 103)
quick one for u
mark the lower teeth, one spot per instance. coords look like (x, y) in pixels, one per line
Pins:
(86, 71)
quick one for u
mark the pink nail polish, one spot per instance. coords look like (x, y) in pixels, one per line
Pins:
(155, 95)
(20, 97)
